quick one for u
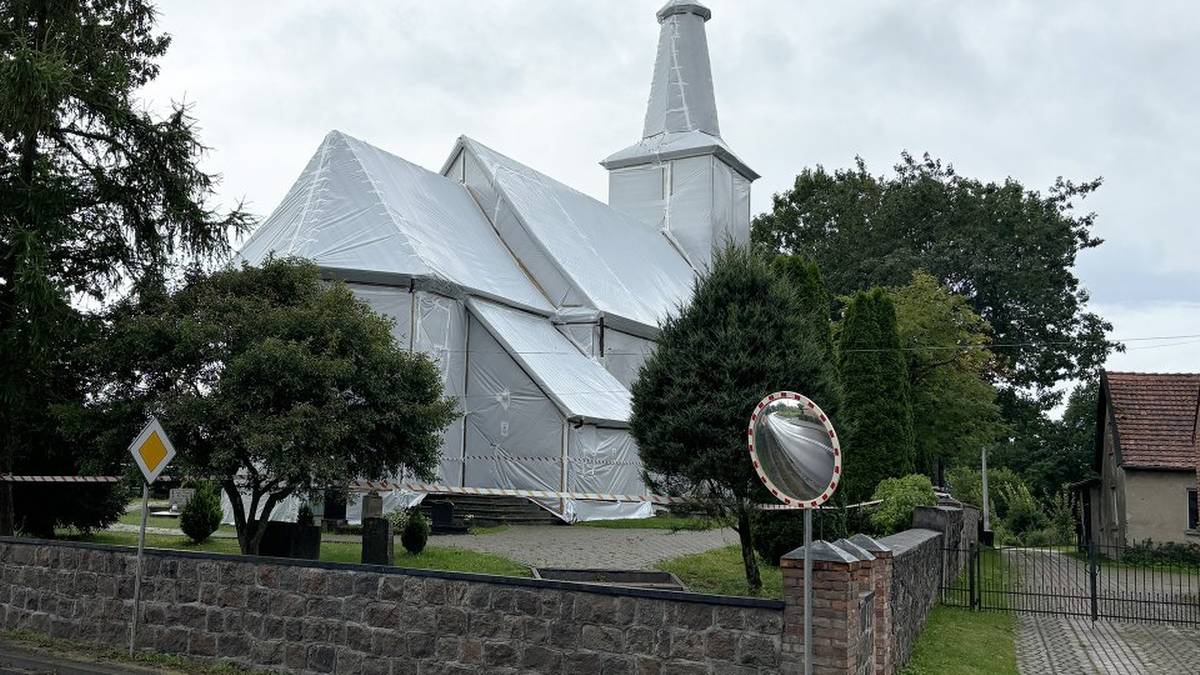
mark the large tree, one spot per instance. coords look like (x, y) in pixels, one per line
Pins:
(1010, 251)
(948, 362)
(743, 335)
(273, 383)
(96, 193)
(876, 416)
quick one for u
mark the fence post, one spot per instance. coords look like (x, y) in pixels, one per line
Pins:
(1092, 572)
(973, 573)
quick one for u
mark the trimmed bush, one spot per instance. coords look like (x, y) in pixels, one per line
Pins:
(777, 533)
(201, 516)
(416, 532)
(901, 496)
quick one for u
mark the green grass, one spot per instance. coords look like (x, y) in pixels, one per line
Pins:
(673, 523)
(957, 640)
(88, 653)
(135, 518)
(432, 558)
(720, 572)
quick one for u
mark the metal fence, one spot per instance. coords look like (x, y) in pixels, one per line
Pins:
(1099, 582)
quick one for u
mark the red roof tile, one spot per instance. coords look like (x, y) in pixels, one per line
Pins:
(1156, 418)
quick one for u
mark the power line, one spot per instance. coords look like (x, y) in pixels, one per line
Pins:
(1019, 345)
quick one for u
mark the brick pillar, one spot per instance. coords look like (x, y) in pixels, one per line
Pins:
(843, 587)
(885, 642)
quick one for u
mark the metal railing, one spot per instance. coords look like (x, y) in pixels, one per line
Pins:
(1094, 581)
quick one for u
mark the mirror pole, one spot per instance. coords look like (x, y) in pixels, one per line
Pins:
(808, 591)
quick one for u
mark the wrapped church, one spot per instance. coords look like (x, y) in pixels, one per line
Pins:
(537, 302)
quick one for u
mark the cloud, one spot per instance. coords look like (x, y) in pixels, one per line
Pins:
(1024, 89)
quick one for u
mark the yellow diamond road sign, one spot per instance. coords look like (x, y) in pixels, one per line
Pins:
(152, 450)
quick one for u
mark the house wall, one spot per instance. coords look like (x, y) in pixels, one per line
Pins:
(1109, 509)
(1156, 505)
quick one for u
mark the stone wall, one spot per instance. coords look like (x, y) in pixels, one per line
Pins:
(300, 616)
(915, 583)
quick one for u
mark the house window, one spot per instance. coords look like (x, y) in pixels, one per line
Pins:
(1193, 510)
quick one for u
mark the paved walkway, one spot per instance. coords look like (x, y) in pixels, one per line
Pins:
(1069, 645)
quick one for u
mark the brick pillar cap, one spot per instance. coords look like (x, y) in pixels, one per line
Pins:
(872, 545)
(853, 549)
(822, 552)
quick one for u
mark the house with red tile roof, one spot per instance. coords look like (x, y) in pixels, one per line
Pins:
(1147, 458)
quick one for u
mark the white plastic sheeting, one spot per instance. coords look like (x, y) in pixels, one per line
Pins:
(681, 94)
(581, 388)
(581, 251)
(393, 303)
(440, 331)
(604, 460)
(624, 355)
(287, 509)
(515, 433)
(357, 208)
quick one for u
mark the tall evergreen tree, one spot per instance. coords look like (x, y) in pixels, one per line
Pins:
(814, 300)
(742, 336)
(876, 413)
(96, 193)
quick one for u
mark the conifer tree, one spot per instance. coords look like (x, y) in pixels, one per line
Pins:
(743, 336)
(876, 413)
(97, 193)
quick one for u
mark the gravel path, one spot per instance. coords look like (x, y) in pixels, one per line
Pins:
(589, 547)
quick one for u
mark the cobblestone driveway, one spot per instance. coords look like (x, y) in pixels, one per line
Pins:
(589, 547)
(1070, 645)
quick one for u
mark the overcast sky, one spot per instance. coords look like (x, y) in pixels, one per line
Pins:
(1032, 90)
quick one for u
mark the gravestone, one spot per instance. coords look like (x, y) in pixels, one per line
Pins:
(378, 544)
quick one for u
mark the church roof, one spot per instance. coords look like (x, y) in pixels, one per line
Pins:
(368, 215)
(615, 263)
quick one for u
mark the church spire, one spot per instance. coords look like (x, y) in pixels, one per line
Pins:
(681, 94)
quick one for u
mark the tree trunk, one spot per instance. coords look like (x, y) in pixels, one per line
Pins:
(753, 580)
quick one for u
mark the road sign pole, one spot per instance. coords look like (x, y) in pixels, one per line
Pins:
(808, 591)
(137, 578)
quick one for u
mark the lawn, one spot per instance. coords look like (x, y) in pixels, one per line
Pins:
(666, 522)
(134, 517)
(720, 572)
(957, 640)
(433, 557)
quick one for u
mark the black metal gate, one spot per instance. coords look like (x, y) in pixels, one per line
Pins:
(1098, 582)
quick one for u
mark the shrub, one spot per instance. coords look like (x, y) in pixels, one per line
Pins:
(966, 485)
(777, 533)
(1170, 553)
(305, 515)
(1062, 518)
(201, 516)
(415, 533)
(1022, 514)
(900, 497)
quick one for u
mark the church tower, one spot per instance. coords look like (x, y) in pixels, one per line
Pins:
(681, 178)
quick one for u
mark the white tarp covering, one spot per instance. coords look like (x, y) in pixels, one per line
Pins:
(580, 250)
(624, 355)
(356, 207)
(440, 331)
(580, 386)
(604, 460)
(515, 433)
(287, 509)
